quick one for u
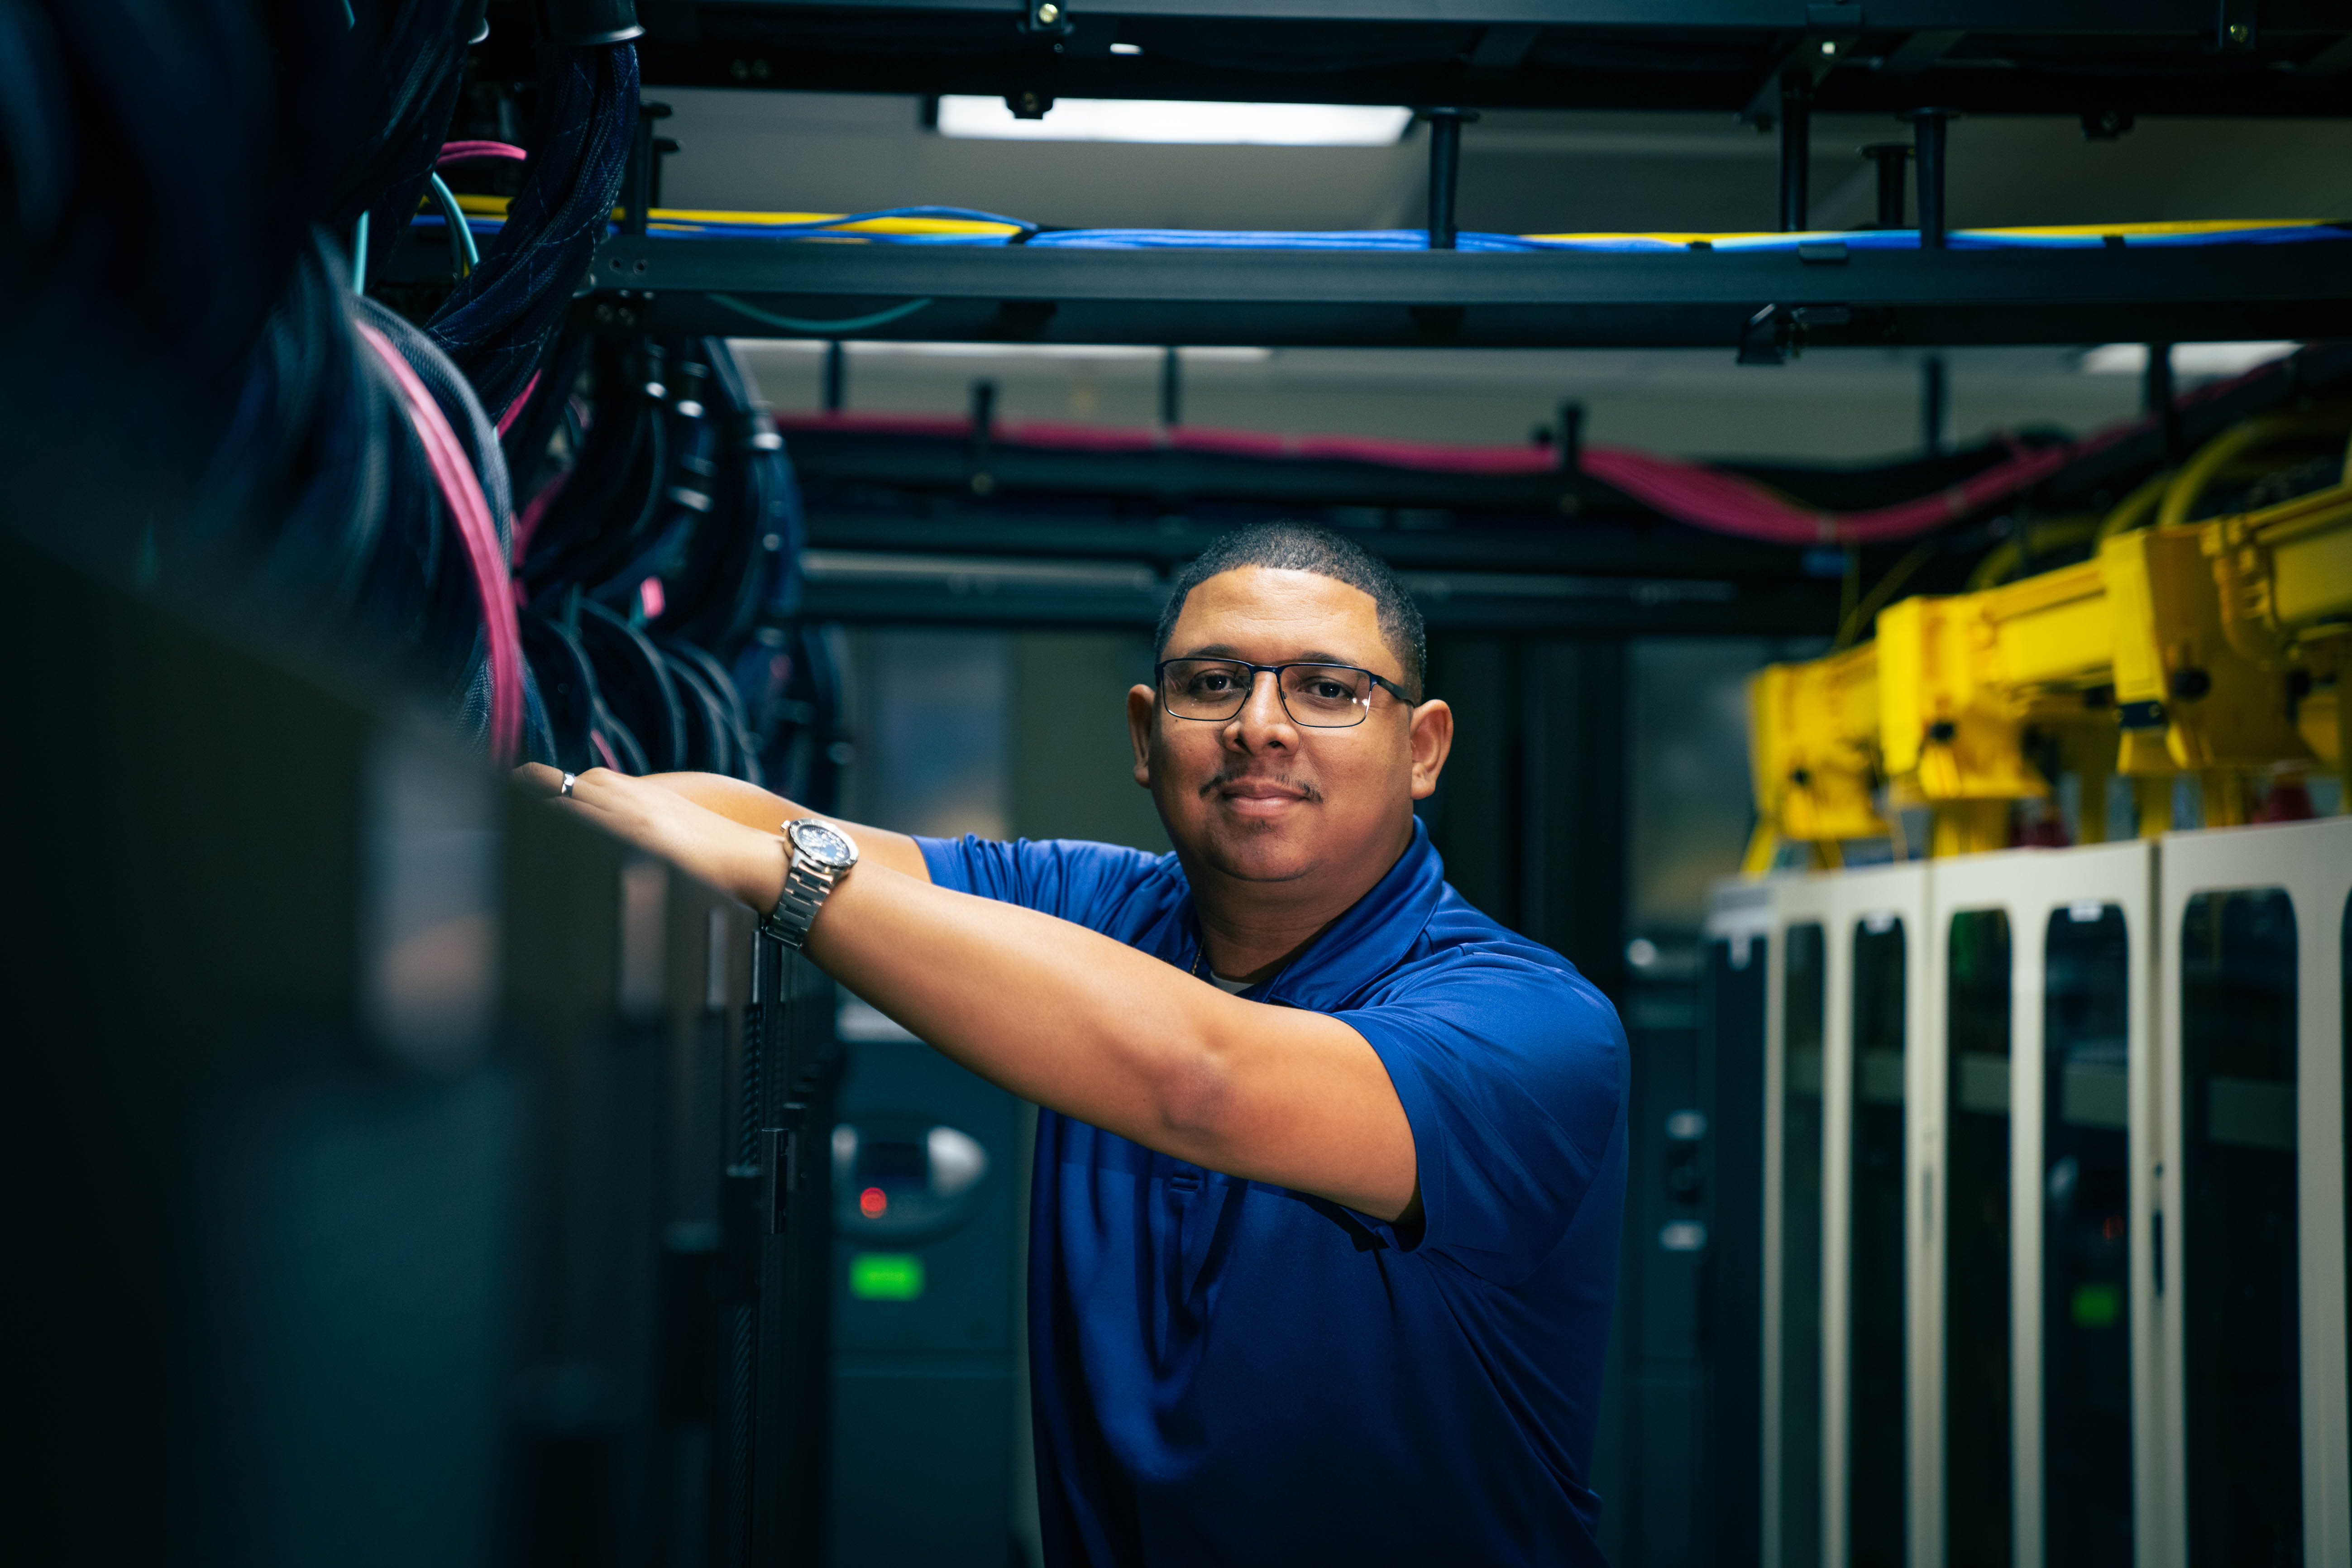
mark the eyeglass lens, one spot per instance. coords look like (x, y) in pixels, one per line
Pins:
(1322, 696)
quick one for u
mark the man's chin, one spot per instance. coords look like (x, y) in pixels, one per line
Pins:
(1256, 852)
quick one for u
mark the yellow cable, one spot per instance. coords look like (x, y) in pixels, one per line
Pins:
(2001, 561)
(1865, 612)
(2189, 487)
(495, 207)
(2132, 509)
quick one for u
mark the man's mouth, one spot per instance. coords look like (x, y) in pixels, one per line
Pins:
(1260, 797)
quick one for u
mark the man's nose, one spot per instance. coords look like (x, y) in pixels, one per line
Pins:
(1263, 720)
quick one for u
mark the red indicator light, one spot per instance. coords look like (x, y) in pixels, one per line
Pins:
(2114, 1228)
(872, 1202)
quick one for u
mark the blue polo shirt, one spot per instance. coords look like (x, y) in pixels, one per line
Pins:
(1230, 1373)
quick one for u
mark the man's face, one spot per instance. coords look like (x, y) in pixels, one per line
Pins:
(1260, 797)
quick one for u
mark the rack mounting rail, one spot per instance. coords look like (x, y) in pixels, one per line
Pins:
(1764, 305)
(2104, 59)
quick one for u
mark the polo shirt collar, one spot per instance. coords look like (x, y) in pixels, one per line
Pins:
(1361, 945)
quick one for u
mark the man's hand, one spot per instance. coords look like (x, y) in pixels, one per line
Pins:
(739, 861)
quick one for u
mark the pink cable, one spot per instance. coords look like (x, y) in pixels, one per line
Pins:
(479, 151)
(472, 512)
(535, 511)
(1703, 497)
(514, 409)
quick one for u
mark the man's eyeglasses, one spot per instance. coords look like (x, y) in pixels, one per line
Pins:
(1318, 696)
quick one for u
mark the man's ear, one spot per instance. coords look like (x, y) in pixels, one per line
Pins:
(1142, 712)
(1432, 741)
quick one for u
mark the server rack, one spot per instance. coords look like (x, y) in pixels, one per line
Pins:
(1872, 1284)
(1737, 964)
(1843, 1038)
(2253, 1116)
(2037, 1098)
(2123, 1204)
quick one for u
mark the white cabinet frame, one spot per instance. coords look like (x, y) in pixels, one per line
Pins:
(2312, 862)
(2031, 886)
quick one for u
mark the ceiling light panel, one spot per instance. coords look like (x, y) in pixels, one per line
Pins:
(1166, 121)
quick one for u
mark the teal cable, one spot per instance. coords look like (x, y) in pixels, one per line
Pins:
(359, 255)
(796, 324)
(459, 231)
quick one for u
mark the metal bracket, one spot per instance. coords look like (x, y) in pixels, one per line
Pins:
(1050, 17)
(2236, 28)
(1502, 47)
(780, 1159)
(1822, 49)
(1776, 334)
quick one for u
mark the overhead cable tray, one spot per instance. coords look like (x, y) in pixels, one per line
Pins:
(2106, 60)
(1764, 301)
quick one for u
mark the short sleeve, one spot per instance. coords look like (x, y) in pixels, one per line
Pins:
(1513, 1077)
(1067, 877)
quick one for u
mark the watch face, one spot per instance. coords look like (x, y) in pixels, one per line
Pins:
(826, 846)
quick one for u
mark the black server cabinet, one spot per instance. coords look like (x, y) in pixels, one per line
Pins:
(774, 1330)
(397, 1153)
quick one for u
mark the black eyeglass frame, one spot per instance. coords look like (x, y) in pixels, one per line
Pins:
(1159, 684)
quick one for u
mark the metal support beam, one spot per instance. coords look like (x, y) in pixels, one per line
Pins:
(1796, 148)
(1893, 160)
(640, 177)
(1683, 298)
(2157, 398)
(1929, 126)
(1934, 405)
(1172, 387)
(1444, 171)
(980, 460)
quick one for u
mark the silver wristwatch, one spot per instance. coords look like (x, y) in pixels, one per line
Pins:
(822, 855)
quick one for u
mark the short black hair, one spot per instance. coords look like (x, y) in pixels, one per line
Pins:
(1303, 547)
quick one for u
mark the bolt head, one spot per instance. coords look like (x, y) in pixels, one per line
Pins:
(1048, 14)
(2239, 32)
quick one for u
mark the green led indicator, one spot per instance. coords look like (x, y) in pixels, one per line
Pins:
(2095, 1305)
(885, 1276)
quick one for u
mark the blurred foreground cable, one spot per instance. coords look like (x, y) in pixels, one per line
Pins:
(159, 162)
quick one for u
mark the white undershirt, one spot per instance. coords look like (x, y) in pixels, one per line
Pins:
(1231, 987)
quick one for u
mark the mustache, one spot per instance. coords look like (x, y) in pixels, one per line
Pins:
(1306, 789)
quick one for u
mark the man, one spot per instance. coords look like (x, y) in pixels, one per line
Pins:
(1329, 1167)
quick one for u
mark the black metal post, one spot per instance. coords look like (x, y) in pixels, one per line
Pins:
(1928, 126)
(1796, 148)
(638, 180)
(981, 458)
(2156, 398)
(1893, 159)
(1571, 437)
(1444, 171)
(1935, 404)
(836, 375)
(663, 146)
(1172, 388)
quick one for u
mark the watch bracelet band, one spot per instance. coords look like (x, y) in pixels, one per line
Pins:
(804, 889)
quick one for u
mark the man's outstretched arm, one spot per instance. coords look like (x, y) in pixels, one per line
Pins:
(1064, 1015)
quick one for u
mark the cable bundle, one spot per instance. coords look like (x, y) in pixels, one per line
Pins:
(497, 323)
(338, 469)
(658, 567)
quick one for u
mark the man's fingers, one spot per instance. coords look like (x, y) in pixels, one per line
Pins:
(540, 778)
(548, 783)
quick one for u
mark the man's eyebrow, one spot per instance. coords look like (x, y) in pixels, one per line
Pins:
(1312, 656)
